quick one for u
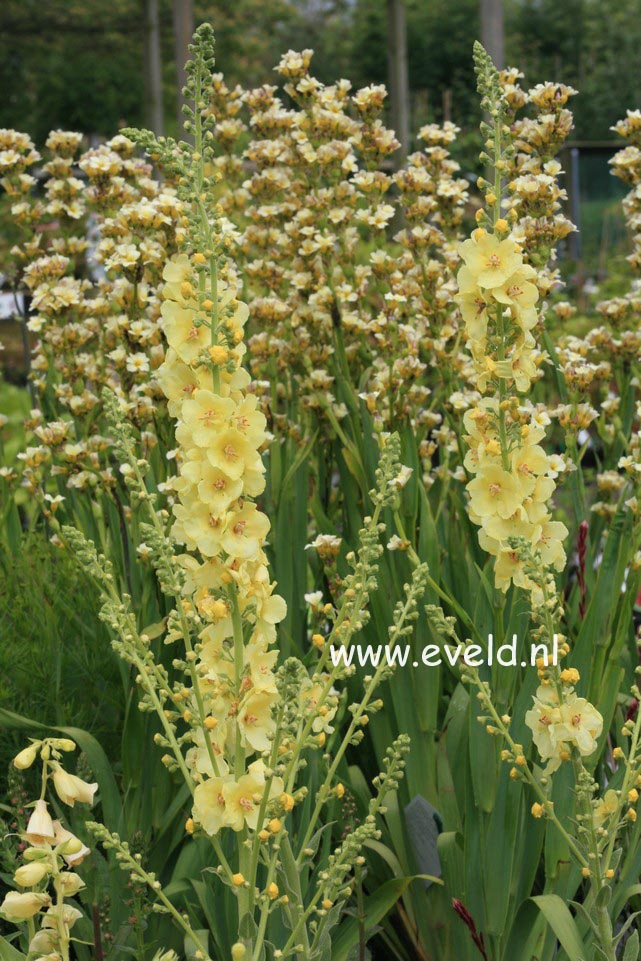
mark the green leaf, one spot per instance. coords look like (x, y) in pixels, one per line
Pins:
(191, 947)
(631, 952)
(527, 933)
(301, 456)
(9, 953)
(155, 630)
(557, 915)
(377, 905)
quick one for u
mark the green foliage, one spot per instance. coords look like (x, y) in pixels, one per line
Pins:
(56, 663)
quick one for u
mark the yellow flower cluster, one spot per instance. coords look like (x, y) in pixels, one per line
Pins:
(496, 285)
(559, 724)
(512, 484)
(497, 295)
(220, 433)
(509, 493)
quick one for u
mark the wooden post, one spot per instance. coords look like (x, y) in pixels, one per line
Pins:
(492, 31)
(183, 32)
(154, 112)
(398, 76)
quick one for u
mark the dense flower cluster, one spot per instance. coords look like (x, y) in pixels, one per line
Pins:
(91, 275)
(498, 294)
(314, 218)
(220, 432)
(512, 484)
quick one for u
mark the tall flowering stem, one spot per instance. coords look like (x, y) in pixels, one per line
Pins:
(227, 588)
(497, 297)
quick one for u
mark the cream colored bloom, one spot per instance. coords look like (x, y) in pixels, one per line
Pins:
(32, 873)
(545, 721)
(244, 531)
(71, 788)
(581, 723)
(209, 804)
(255, 719)
(74, 851)
(495, 491)
(19, 907)
(490, 261)
(40, 828)
(27, 756)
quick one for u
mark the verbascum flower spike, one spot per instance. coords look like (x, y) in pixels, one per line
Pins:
(220, 432)
(497, 296)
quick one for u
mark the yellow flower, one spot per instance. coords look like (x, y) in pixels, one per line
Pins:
(518, 525)
(522, 368)
(543, 720)
(215, 488)
(176, 272)
(508, 569)
(20, 907)
(490, 261)
(581, 723)
(232, 453)
(73, 850)
(494, 491)
(71, 788)
(528, 463)
(40, 828)
(473, 304)
(550, 544)
(181, 332)
(255, 719)
(244, 531)
(250, 421)
(28, 875)
(243, 797)
(27, 756)
(519, 293)
(209, 804)
(204, 415)
(261, 664)
(197, 527)
(178, 381)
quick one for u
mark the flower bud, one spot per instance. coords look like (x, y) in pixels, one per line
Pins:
(70, 883)
(28, 875)
(27, 756)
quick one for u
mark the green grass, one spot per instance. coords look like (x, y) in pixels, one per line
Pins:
(56, 662)
(15, 404)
